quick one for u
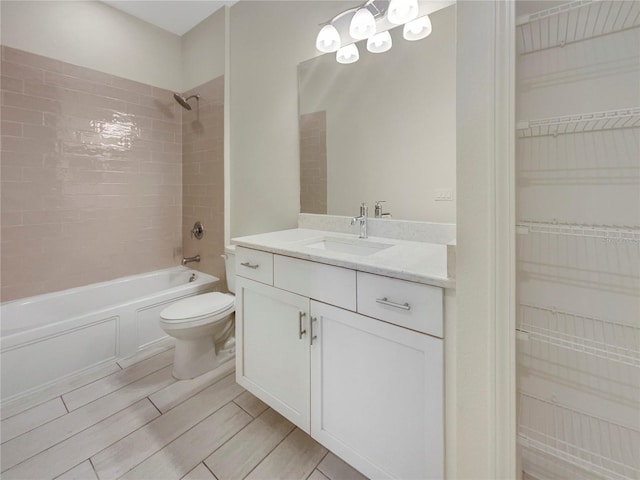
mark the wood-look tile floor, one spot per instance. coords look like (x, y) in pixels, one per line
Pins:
(133, 420)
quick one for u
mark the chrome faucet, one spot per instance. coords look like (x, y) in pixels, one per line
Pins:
(362, 218)
(186, 260)
(378, 210)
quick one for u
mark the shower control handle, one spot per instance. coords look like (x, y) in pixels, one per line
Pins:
(197, 230)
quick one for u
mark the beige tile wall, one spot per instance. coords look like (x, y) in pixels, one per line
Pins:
(313, 162)
(91, 176)
(203, 176)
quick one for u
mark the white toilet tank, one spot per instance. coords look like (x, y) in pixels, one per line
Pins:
(230, 267)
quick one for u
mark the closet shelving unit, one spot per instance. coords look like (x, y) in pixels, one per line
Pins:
(574, 22)
(610, 233)
(580, 123)
(609, 340)
(595, 444)
(564, 437)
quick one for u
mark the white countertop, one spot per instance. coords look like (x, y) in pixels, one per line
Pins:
(414, 261)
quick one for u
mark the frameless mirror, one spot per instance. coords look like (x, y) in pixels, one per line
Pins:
(382, 128)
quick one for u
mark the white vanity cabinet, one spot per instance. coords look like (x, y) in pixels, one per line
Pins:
(367, 386)
(272, 348)
(376, 394)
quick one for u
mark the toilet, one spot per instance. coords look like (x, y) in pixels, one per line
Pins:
(203, 326)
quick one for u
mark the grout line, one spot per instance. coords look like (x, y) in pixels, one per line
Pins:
(243, 409)
(67, 471)
(170, 442)
(88, 426)
(240, 407)
(312, 472)
(234, 435)
(40, 425)
(64, 403)
(121, 386)
(163, 349)
(116, 441)
(194, 393)
(47, 399)
(77, 433)
(321, 460)
(151, 401)
(271, 451)
(205, 465)
(94, 467)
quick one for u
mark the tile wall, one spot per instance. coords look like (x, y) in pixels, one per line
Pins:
(203, 176)
(313, 162)
(91, 176)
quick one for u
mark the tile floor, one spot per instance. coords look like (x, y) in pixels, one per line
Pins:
(133, 420)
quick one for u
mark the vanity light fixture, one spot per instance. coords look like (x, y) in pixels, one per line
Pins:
(379, 43)
(365, 19)
(417, 29)
(363, 24)
(402, 11)
(348, 54)
(328, 40)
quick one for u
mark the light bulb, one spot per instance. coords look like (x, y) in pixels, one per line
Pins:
(362, 25)
(379, 43)
(417, 29)
(402, 11)
(328, 39)
(348, 54)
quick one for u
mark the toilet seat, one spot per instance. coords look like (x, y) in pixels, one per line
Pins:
(199, 309)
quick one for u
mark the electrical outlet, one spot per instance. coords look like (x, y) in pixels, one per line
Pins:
(444, 195)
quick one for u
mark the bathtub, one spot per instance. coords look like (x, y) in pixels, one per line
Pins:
(48, 337)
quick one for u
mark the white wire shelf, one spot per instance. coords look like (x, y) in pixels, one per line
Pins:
(580, 122)
(586, 441)
(574, 22)
(540, 465)
(608, 233)
(601, 338)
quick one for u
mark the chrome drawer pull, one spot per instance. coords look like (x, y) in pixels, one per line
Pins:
(385, 301)
(248, 265)
(301, 332)
(313, 337)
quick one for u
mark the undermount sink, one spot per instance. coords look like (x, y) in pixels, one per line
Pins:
(345, 245)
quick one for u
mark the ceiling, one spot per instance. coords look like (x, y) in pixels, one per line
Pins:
(177, 17)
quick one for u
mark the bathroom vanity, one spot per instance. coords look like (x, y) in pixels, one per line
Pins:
(344, 337)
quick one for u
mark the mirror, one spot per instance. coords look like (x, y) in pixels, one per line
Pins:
(382, 128)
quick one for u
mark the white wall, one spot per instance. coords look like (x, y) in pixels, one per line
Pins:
(94, 35)
(267, 41)
(203, 51)
(484, 386)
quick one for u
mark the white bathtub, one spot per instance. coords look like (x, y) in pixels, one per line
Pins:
(48, 337)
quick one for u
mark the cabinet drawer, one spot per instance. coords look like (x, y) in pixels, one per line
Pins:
(255, 265)
(407, 304)
(334, 285)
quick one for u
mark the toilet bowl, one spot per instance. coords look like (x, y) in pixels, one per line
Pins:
(203, 328)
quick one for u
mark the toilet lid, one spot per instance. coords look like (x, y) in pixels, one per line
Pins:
(198, 306)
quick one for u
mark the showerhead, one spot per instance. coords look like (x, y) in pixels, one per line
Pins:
(183, 101)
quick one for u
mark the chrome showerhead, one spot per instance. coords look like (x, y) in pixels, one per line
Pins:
(184, 101)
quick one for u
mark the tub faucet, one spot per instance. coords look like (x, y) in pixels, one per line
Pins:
(362, 218)
(186, 260)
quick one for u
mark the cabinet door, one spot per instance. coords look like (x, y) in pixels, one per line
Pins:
(376, 394)
(272, 353)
